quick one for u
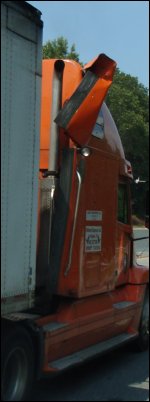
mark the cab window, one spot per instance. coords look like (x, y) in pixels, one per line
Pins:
(123, 211)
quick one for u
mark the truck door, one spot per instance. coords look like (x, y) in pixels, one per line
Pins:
(124, 231)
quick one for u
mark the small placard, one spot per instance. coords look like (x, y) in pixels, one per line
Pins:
(93, 215)
(93, 236)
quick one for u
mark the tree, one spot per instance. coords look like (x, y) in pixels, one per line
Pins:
(128, 102)
(59, 48)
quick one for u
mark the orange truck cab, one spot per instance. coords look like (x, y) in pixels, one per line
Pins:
(91, 295)
(91, 268)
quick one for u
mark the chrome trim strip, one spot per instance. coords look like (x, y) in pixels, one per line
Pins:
(74, 223)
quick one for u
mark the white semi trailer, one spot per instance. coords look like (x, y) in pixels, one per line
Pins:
(21, 43)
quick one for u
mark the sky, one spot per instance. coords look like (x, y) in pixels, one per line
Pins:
(120, 29)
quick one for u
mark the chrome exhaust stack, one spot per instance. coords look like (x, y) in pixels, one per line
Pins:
(56, 106)
(48, 185)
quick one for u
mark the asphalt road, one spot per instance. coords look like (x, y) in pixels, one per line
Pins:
(121, 375)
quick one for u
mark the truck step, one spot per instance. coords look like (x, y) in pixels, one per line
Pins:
(123, 305)
(54, 326)
(91, 351)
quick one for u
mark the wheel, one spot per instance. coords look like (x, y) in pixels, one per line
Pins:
(17, 365)
(143, 339)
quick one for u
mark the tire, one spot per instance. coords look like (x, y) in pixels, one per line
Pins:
(143, 338)
(17, 365)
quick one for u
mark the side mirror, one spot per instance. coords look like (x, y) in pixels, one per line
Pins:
(147, 210)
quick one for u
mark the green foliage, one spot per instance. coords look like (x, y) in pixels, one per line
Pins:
(128, 102)
(59, 49)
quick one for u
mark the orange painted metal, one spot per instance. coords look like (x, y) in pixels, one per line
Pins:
(95, 281)
(92, 273)
(123, 253)
(139, 275)
(46, 105)
(91, 320)
(81, 124)
(102, 271)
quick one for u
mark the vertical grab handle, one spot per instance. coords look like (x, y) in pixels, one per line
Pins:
(74, 223)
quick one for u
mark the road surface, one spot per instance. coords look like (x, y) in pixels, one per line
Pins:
(121, 375)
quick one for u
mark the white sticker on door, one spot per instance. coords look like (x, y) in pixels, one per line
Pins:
(93, 215)
(93, 237)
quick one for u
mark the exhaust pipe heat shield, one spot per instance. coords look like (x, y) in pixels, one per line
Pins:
(79, 113)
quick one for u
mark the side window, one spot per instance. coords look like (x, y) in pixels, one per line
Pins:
(98, 130)
(123, 215)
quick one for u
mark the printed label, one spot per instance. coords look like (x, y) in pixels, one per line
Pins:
(93, 215)
(93, 236)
